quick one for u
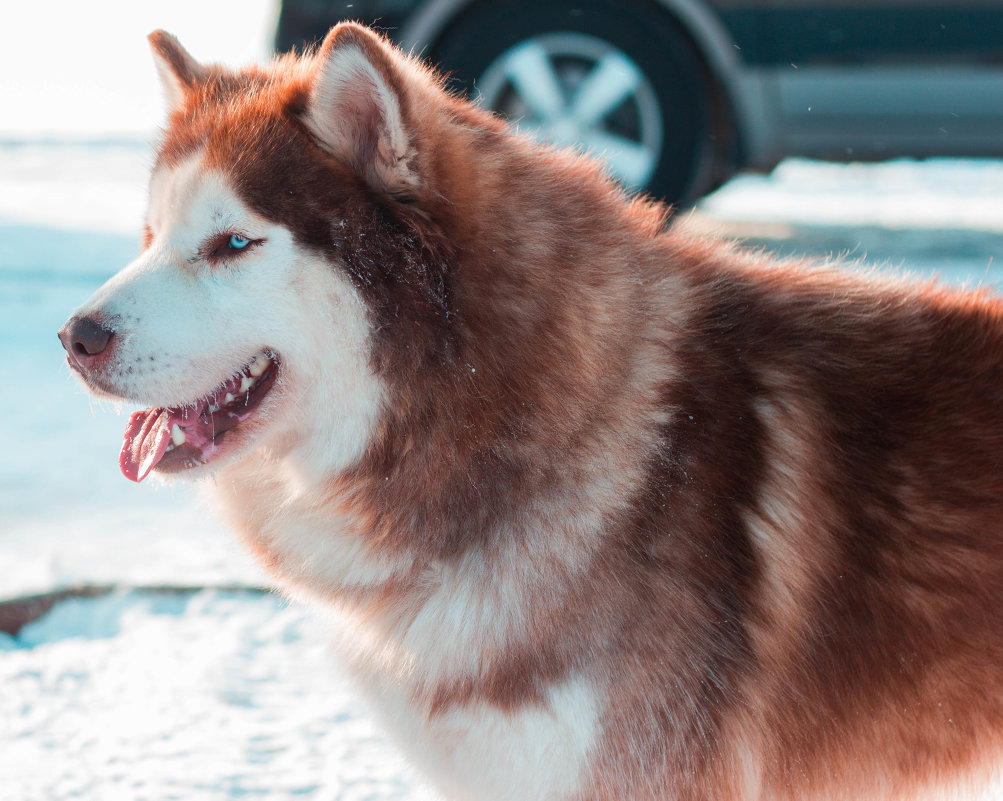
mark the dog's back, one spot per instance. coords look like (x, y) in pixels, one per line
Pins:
(622, 513)
(825, 505)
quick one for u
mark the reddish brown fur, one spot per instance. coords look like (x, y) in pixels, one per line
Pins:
(185, 69)
(538, 331)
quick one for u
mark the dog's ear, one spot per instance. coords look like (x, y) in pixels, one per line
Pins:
(178, 71)
(357, 109)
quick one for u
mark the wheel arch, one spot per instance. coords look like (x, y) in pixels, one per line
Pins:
(710, 39)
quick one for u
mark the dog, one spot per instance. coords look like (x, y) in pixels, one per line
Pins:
(607, 510)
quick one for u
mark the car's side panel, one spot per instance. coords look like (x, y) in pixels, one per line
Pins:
(883, 78)
(850, 113)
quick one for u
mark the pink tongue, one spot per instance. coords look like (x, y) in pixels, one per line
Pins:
(146, 440)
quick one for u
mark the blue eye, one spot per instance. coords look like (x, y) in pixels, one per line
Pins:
(224, 247)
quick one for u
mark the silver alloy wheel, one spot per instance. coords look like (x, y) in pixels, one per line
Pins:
(572, 88)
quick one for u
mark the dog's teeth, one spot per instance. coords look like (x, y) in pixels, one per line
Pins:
(213, 408)
(246, 383)
(177, 435)
(228, 398)
(258, 366)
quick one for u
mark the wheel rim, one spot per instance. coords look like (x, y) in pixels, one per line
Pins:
(575, 89)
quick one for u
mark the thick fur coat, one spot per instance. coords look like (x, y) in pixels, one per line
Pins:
(606, 512)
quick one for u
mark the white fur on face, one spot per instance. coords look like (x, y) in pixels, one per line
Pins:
(182, 325)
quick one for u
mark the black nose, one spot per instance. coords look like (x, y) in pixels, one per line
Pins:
(84, 340)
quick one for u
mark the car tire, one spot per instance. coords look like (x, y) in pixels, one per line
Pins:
(658, 136)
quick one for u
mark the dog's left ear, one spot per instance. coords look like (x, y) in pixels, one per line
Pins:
(357, 108)
(178, 71)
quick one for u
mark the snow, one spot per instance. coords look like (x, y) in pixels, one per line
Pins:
(942, 217)
(230, 694)
(213, 696)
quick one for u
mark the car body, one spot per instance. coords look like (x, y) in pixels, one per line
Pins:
(716, 85)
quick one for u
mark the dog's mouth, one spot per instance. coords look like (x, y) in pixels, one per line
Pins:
(182, 437)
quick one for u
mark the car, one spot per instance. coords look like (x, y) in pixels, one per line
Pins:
(679, 95)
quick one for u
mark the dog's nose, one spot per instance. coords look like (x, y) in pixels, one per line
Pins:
(84, 340)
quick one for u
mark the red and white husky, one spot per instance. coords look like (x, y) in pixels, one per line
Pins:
(612, 513)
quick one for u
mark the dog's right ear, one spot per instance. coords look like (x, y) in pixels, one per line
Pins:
(178, 71)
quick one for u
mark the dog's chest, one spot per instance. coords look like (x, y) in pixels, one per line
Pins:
(471, 749)
(480, 751)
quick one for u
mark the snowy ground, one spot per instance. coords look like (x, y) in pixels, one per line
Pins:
(225, 694)
(211, 696)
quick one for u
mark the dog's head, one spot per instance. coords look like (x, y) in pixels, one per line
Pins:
(253, 315)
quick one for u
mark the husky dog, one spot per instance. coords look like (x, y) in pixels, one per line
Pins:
(609, 511)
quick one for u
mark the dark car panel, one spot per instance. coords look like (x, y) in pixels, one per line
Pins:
(886, 33)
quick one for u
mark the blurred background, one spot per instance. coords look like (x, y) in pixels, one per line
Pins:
(866, 129)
